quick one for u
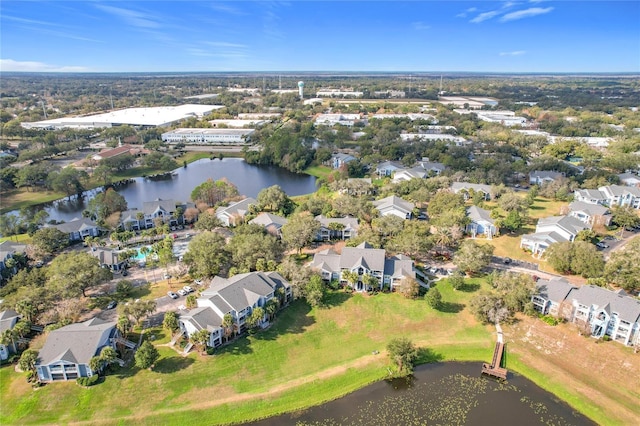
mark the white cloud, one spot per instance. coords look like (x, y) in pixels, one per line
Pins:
(513, 53)
(132, 17)
(484, 16)
(526, 13)
(7, 65)
(419, 26)
(225, 8)
(225, 44)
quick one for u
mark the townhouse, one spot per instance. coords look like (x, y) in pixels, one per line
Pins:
(550, 230)
(337, 228)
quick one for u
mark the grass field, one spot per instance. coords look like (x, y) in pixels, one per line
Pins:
(20, 238)
(318, 171)
(306, 357)
(19, 198)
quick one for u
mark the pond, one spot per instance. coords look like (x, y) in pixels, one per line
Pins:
(450, 393)
(250, 180)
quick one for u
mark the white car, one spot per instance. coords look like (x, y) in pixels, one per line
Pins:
(198, 282)
(188, 289)
(182, 292)
(172, 295)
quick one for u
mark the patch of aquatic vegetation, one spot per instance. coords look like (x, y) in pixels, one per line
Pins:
(541, 410)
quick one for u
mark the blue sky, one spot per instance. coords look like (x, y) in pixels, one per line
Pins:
(298, 35)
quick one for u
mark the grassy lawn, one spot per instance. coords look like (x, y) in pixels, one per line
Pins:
(319, 171)
(308, 356)
(20, 238)
(544, 207)
(19, 198)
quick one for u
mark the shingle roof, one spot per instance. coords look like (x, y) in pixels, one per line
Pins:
(627, 308)
(203, 318)
(268, 219)
(149, 207)
(243, 290)
(555, 290)
(545, 174)
(76, 343)
(590, 209)
(370, 258)
(76, 225)
(568, 223)
(477, 214)
(347, 221)
(395, 202)
(7, 319)
(241, 207)
(10, 248)
(459, 186)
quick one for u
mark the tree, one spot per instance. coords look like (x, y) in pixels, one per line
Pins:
(28, 360)
(409, 288)
(164, 250)
(95, 364)
(50, 240)
(623, 267)
(191, 301)
(103, 174)
(207, 221)
(255, 319)
(123, 325)
(250, 243)
(207, 255)
(457, 281)
(200, 339)
(512, 202)
(513, 221)
(489, 308)
(106, 203)
(273, 199)
(271, 307)
(578, 257)
(214, 192)
(403, 353)
(228, 326)
(624, 217)
(351, 277)
(69, 180)
(514, 289)
(124, 288)
(414, 240)
(71, 274)
(139, 309)
(170, 321)
(314, 291)
(472, 257)
(433, 298)
(146, 355)
(300, 230)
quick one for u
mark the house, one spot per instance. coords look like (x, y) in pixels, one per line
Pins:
(237, 296)
(590, 196)
(78, 229)
(118, 151)
(271, 222)
(396, 206)
(336, 228)
(539, 177)
(592, 214)
(409, 174)
(432, 168)
(108, 258)
(365, 261)
(339, 159)
(388, 168)
(159, 209)
(468, 188)
(68, 350)
(550, 294)
(234, 214)
(481, 223)
(600, 311)
(132, 220)
(622, 196)
(8, 320)
(550, 230)
(629, 179)
(8, 249)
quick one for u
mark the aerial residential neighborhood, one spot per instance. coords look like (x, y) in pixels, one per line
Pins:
(191, 234)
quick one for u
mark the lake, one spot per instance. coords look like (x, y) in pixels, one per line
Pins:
(250, 180)
(451, 393)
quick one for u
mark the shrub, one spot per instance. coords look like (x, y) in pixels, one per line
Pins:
(550, 320)
(88, 381)
(211, 351)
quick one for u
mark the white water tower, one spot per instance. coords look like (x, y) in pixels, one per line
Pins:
(301, 89)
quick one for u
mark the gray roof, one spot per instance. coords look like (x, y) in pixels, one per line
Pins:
(243, 290)
(389, 165)
(203, 318)
(619, 191)
(477, 214)
(465, 186)
(399, 266)
(75, 343)
(76, 225)
(348, 221)
(546, 237)
(395, 202)
(568, 223)
(8, 319)
(130, 215)
(590, 209)
(10, 248)
(591, 194)
(627, 308)
(344, 157)
(556, 289)
(362, 255)
(106, 256)
(545, 174)
(149, 207)
(428, 165)
(414, 172)
(327, 260)
(269, 220)
(239, 208)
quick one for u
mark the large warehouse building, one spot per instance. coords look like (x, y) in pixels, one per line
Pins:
(138, 117)
(208, 136)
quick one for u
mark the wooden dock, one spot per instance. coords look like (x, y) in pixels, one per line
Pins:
(494, 368)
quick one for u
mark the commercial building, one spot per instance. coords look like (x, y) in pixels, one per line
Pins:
(208, 136)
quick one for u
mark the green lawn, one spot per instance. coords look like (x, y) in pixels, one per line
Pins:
(318, 171)
(20, 238)
(308, 356)
(19, 198)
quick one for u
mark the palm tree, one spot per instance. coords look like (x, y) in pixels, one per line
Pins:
(370, 281)
(271, 307)
(8, 337)
(443, 238)
(352, 277)
(123, 325)
(228, 326)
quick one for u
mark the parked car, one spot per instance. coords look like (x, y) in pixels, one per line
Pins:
(172, 295)
(198, 282)
(602, 245)
(112, 304)
(507, 260)
(188, 289)
(182, 292)
(167, 276)
(124, 273)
